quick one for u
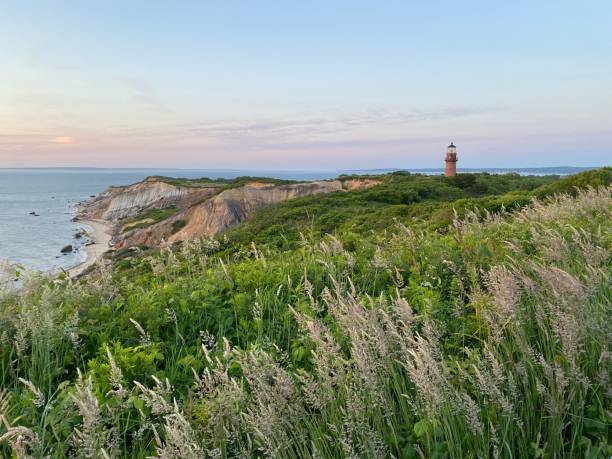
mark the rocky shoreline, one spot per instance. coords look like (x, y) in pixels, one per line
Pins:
(99, 243)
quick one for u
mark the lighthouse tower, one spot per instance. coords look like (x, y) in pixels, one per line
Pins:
(451, 161)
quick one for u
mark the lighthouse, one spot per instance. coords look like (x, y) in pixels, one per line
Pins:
(451, 161)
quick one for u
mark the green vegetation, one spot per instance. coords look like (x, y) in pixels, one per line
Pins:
(149, 218)
(413, 199)
(223, 184)
(573, 183)
(177, 225)
(438, 318)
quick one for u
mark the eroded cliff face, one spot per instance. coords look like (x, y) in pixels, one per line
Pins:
(121, 202)
(203, 211)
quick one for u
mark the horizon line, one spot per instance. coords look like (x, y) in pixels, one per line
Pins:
(391, 168)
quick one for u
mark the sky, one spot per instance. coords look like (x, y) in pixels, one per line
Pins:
(305, 85)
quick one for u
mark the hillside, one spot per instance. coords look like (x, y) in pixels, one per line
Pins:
(160, 211)
(415, 199)
(417, 317)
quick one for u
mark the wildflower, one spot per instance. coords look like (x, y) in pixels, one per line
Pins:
(179, 440)
(563, 285)
(210, 380)
(226, 348)
(91, 436)
(39, 398)
(378, 260)
(257, 311)
(258, 254)
(22, 440)
(309, 291)
(276, 400)
(115, 377)
(171, 314)
(71, 330)
(156, 265)
(145, 339)
(551, 244)
(503, 285)
(350, 259)
(208, 340)
(225, 271)
(427, 374)
(359, 439)
(334, 244)
(171, 260)
(472, 414)
(397, 277)
(303, 241)
(157, 398)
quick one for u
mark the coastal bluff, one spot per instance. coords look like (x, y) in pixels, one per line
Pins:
(160, 211)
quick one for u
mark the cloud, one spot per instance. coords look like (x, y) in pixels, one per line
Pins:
(331, 125)
(64, 140)
(220, 140)
(143, 93)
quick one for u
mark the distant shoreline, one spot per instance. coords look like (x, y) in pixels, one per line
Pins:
(100, 237)
(553, 170)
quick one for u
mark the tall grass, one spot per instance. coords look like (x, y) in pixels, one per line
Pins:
(490, 340)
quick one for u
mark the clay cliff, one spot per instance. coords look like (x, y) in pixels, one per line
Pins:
(121, 202)
(195, 211)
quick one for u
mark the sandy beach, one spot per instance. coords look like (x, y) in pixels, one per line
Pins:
(99, 235)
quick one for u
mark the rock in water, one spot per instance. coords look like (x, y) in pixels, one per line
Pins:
(67, 249)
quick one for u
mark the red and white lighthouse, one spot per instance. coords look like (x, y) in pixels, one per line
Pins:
(451, 161)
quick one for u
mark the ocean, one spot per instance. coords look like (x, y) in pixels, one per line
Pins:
(35, 241)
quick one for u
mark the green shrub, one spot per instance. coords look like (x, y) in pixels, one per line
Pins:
(177, 225)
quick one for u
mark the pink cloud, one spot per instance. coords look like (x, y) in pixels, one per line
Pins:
(64, 140)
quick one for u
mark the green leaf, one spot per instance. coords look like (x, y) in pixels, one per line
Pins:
(137, 402)
(422, 428)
